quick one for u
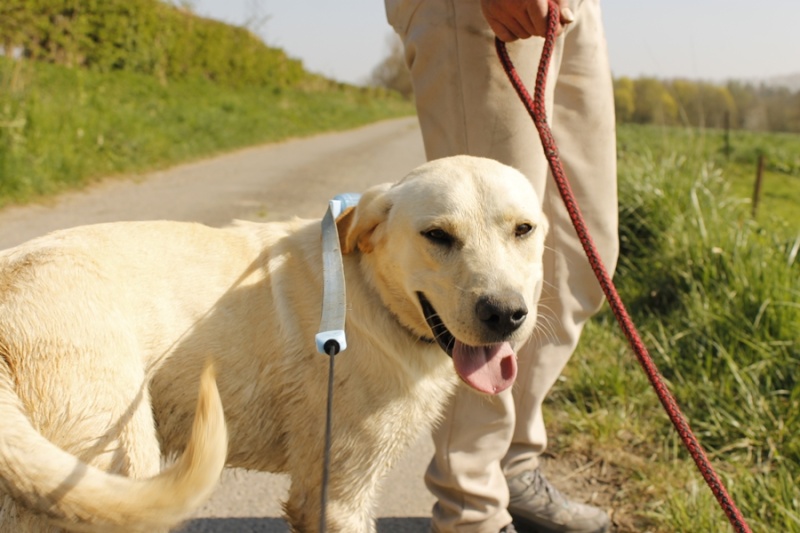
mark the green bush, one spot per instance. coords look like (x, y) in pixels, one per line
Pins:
(143, 36)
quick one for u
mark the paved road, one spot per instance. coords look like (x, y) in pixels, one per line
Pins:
(263, 183)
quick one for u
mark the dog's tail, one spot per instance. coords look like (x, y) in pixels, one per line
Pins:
(79, 497)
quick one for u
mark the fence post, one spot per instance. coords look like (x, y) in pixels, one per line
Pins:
(757, 187)
(728, 135)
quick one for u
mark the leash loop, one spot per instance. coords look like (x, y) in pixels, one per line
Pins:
(334, 303)
(536, 108)
(331, 339)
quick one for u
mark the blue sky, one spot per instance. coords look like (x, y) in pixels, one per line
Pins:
(699, 39)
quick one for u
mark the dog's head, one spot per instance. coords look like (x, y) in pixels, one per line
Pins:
(455, 251)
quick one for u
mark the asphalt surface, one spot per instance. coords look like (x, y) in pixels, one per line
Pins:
(271, 182)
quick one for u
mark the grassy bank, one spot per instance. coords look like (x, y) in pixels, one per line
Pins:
(716, 297)
(62, 128)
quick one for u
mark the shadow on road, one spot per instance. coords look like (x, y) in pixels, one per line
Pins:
(231, 525)
(277, 525)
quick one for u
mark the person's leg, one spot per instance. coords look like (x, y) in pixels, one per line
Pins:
(466, 105)
(465, 474)
(583, 125)
(584, 128)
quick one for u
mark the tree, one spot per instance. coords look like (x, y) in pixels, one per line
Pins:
(392, 72)
(702, 104)
(624, 99)
(748, 108)
(654, 105)
(690, 106)
(717, 104)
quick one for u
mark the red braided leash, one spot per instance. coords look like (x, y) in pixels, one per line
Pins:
(536, 109)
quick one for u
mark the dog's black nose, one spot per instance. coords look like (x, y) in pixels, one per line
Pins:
(502, 313)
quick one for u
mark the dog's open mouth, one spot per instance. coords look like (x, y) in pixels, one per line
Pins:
(489, 369)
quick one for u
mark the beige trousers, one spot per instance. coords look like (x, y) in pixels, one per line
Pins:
(466, 105)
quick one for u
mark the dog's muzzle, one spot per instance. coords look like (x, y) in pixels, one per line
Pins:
(490, 368)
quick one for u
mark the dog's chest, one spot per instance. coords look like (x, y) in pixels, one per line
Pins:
(421, 399)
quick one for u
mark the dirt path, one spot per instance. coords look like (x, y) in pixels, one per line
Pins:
(263, 183)
(267, 183)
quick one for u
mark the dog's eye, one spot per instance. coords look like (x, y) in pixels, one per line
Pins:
(438, 236)
(523, 230)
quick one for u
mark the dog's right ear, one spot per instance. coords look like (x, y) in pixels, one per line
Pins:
(356, 225)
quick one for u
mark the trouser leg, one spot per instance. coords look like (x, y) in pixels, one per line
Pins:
(584, 129)
(467, 106)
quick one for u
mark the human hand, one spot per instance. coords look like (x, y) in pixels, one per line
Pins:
(519, 19)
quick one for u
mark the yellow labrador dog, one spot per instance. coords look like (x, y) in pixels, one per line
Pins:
(106, 332)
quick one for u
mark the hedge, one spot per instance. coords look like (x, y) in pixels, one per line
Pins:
(145, 36)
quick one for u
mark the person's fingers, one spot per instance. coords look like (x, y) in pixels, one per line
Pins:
(567, 16)
(519, 26)
(519, 19)
(508, 20)
(537, 13)
(500, 30)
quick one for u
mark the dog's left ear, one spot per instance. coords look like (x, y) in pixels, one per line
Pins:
(356, 224)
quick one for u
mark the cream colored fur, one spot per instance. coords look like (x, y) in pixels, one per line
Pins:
(105, 332)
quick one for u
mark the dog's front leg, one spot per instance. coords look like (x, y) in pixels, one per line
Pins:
(347, 510)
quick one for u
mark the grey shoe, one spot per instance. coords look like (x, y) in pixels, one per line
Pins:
(537, 507)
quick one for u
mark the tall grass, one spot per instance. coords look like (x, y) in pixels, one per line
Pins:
(735, 154)
(62, 127)
(717, 298)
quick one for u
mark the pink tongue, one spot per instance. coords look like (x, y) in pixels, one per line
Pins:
(488, 369)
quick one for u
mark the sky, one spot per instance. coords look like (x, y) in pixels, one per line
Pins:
(712, 40)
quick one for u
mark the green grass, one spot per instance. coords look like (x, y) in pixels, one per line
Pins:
(736, 159)
(716, 297)
(62, 128)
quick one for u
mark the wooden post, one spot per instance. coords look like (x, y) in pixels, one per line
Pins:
(728, 135)
(757, 188)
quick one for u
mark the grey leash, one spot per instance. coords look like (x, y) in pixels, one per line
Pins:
(331, 338)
